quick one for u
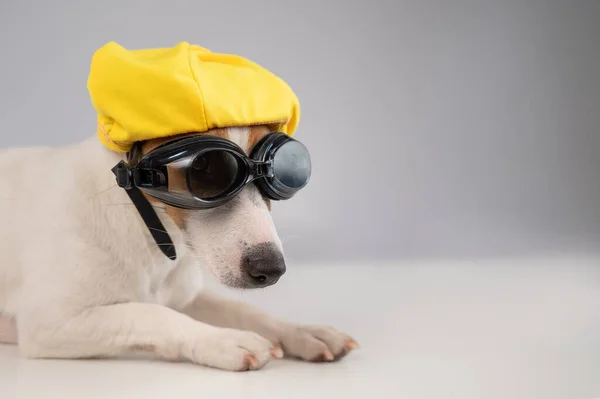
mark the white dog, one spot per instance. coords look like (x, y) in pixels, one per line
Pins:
(80, 275)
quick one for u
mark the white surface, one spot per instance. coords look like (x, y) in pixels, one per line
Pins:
(472, 329)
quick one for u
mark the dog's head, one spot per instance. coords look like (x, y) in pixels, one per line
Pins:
(236, 242)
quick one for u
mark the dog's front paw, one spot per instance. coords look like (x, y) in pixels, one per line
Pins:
(234, 350)
(316, 343)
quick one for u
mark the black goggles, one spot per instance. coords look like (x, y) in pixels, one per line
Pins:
(204, 171)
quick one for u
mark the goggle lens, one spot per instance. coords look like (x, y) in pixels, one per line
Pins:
(214, 173)
(291, 165)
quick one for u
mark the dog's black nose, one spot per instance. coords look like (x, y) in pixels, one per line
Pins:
(264, 264)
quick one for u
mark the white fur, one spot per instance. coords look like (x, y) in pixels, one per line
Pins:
(239, 135)
(81, 276)
(217, 233)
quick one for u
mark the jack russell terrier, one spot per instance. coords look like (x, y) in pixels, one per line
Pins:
(102, 245)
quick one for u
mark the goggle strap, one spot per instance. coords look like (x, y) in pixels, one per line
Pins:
(155, 226)
(148, 214)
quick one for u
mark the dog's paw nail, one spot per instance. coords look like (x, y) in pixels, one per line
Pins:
(328, 356)
(351, 345)
(251, 362)
(277, 352)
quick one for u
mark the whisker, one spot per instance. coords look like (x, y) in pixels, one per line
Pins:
(159, 230)
(156, 208)
(103, 191)
(190, 246)
(289, 236)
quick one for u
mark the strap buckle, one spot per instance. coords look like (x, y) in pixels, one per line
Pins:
(128, 177)
(262, 169)
(124, 175)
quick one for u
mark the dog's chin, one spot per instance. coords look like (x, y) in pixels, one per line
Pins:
(243, 283)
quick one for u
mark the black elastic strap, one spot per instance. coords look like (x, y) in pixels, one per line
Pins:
(157, 230)
(155, 226)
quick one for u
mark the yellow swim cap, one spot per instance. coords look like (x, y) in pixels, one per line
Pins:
(151, 93)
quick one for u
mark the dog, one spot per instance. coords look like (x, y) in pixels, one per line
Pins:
(80, 276)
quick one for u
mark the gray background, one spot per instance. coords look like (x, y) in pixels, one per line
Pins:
(437, 128)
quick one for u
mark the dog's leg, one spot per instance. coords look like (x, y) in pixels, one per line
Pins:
(119, 329)
(312, 343)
